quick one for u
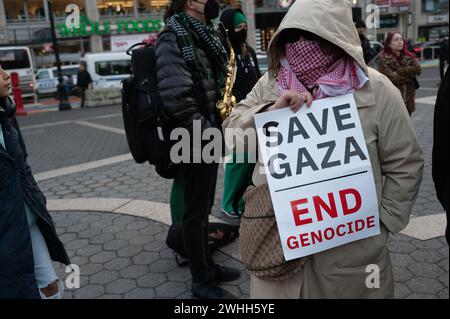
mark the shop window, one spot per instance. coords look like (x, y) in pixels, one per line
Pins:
(122, 7)
(435, 6)
(35, 9)
(389, 21)
(59, 7)
(148, 6)
(115, 7)
(266, 36)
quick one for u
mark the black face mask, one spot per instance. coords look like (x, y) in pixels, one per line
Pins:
(211, 9)
(241, 36)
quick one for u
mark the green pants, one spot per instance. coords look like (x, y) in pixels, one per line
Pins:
(237, 176)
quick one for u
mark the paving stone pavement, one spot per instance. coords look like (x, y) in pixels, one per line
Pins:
(122, 256)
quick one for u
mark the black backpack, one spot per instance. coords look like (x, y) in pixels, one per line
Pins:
(144, 120)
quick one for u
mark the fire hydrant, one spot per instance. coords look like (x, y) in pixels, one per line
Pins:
(17, 94)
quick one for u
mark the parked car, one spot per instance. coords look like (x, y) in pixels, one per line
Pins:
(427, 50)
(47, 79)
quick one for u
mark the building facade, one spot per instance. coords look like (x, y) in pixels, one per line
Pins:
(102, 21)
(417, 20)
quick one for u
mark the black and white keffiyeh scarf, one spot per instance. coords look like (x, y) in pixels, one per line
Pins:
(186, 28)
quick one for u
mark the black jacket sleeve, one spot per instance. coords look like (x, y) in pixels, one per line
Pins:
(440, 169)
(176, 85)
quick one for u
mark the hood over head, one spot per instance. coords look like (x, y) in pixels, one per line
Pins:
(328, 19)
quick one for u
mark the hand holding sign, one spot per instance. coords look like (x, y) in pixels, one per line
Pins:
(319, 173)
(291, 99)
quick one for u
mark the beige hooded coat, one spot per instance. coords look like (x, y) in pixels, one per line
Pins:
(394, 151)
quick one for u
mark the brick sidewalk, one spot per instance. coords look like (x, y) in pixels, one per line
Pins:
(420, 267)
(124, 256)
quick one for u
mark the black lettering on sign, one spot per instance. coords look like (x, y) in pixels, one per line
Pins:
(349, 142)
(322, 130)
(340, 117)
(285, 167)
(294, 121)
(270, 134)
(303, 152)
(331, 145)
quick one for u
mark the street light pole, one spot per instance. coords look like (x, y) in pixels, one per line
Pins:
(64, 103)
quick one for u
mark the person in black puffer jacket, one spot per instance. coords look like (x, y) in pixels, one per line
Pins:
(28, 239)
(191, 67)
(237, 169)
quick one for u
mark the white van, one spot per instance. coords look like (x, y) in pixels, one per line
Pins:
(47, 79)
(20, 60)
(108, 69)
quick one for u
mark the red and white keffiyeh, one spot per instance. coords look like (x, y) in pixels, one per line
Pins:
(307, 68)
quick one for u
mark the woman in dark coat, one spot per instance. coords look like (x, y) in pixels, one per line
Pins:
(237, 169)
(28, 240)
(401, 67)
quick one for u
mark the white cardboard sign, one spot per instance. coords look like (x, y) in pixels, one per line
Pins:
(319, 174)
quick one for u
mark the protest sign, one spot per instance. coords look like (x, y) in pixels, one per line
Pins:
(319, 174)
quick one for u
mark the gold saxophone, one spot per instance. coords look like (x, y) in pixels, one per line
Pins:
(228, 102)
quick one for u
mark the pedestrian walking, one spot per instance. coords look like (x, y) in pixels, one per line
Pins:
(84, 82)
(306, 63)
(28, 240)
(440, 147)
(191, 67)
(237, 170)
(401, 67)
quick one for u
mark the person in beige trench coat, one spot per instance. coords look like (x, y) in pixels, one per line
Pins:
(395, 155)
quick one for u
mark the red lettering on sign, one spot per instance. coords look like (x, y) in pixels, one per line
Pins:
(316, 236)
(329, 233)
(370, 221)
(319, 203)
(298, 212)
(338, 232)
(359, 225)
(304, 240)
(343, 195)
(292, 242)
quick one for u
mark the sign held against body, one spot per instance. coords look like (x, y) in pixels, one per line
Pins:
(319, 174)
